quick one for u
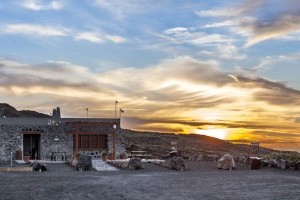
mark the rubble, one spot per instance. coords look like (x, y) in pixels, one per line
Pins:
(84, 163)
(177, 163)
(226, 162)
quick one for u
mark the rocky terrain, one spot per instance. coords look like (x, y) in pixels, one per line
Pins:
(159, 144)
(7, 110)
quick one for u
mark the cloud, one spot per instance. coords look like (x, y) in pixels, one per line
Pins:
(274, 93)
(38, 5)
(180, 94)
(181, 35)
(88, 36)
(221, 24)
(274, 28)
(256, 21)
(120, 9)
(140, 88)
(31, 29)
(247, 7)
(50, 31)
(267, 63)
(99, 37)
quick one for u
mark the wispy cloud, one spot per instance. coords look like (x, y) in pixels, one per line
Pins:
(99, 37)
(274, 28)
(180, 35)
(38, 5)
(246, 7)
(266, 64)
(34, 30)
(89, 36)
(121, 9)
(200, 84)
(225, 51)
(180, 94)
(256, 21)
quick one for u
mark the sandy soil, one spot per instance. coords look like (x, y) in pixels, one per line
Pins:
(201, 181)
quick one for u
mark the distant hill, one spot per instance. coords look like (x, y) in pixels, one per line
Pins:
(160, 143)
(7, 110)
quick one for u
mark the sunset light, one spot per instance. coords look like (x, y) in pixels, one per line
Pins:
(217, 133)
(200, 67)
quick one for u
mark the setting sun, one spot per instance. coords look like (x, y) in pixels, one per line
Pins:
(217, 133)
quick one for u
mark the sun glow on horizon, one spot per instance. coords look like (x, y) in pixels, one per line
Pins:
(212, 132)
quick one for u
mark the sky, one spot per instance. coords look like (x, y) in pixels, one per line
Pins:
(223, 68)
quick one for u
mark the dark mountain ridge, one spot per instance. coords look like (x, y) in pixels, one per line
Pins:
(7, 110)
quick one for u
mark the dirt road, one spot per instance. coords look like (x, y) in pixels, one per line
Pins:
(201, 181)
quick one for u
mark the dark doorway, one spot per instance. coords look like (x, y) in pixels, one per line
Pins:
(31, 145)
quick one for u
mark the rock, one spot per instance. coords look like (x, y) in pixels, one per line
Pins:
(177, 163)
(282, 164)
(84, 163)
(38, 167)
(264, 163)
(199, 157)
(273, 163)
(297, 166)
(226, 162)
(135, 163)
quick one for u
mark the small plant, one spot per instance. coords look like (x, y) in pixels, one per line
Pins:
(123, 155)
(104, 153)
(26, 154)
(110, 156)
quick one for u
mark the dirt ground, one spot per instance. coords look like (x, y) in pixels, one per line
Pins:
(201, 181)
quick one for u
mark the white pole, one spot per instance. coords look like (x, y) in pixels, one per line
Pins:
(11, 158)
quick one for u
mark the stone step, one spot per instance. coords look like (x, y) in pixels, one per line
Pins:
(100, 165)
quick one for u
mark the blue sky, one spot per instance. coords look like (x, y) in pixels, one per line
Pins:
(160, 59)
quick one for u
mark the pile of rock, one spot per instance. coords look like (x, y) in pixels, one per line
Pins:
(177, 163)
(84, 163)
(38, 167)
(135, 164)
(226, 162)
(282, 160)
(122, 164)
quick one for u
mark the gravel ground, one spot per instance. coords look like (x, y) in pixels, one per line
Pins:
(201, 181)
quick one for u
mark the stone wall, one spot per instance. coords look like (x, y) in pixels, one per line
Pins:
(119, 144)
(10, 141)
(61, 149)
(25, 121)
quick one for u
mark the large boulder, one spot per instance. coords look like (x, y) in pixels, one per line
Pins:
(226, 162)
(273, 163)
(84, 163)
(284, 164)
(177, 163)
(135, 164)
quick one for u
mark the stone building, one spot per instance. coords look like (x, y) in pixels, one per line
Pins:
(56, 138)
